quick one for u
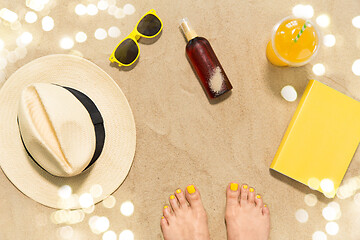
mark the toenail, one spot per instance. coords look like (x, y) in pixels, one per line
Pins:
(258, 196)
(251, 189)
(165, 207)
(162, 217)
(265, 205)
(178, 190)
(172, 197)
(245, 186)
(190, 189)
(234, 187)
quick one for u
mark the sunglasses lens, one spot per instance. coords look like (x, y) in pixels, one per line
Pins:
(127, 51)
(150, 25)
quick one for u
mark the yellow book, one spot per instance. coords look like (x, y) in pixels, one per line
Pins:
(321, 139)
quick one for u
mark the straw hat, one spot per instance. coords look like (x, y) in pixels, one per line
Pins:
(67, 132)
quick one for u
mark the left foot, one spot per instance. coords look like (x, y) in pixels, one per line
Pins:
(186, 218)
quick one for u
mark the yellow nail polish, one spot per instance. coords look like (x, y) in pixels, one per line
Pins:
(251, 189)
(258, 196)
(191, 189)
(234, 187)
(245, 186)
(178, 190)
(265, 205)
(165, 206)
(172, 197)
(162, 217)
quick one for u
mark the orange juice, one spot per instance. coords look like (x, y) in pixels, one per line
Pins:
(282, 50)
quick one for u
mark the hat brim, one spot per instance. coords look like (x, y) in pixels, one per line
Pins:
(113, 165)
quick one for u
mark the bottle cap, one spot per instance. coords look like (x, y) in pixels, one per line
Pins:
(187, 29)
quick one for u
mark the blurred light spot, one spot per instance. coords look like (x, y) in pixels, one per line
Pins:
(129, 9)
(100, 34)
(102, 224)
(109, 235)
(319, 69)
(65, 191)
(37, 5)
(92, 10)
(96, 190)
(314, 183)
(126, 235)
(8, 15)
(356, 67)
(356, 21)
(66, 43)
(112, 2)
(3, 63)
(86, 200)
(112, 10)
(26, 38)
(127, 208)
(109, 202)
(332, 228)
(357, 198)
(329, 213)
(319, 235)
(41, 219)
(15, 25)
(119, 13)
(323, 20)
(289, 93)
(30, 17)
(304, 11)
(92, 221)
(89, 209)
(80, 9)
(301, 215)
(66, 232)
(329, 40)
(336, 207)
(2, 44)
(75, 216)
(114, 32)
(47, 23)
(80, 37)
(11, 57)
(310, 200)
(326, 184)
(102, 5)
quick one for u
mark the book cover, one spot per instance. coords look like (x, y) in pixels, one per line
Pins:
(320, 140)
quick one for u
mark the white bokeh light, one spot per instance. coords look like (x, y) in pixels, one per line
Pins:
(119, 13)
(289, 93)
(332, 228)
(356, 21)
(8, 15)
(26, 38)
(96, 190)
(114, 32)
(3, 63)
(314, 183)
(329, 213)
(126, 235)
(327, 185)
(102, 224)
(319, 70)
(66, 232)
(47, 23)
(112, 9)
(109, 235)
(12, 57)
(109, 202)
(80, 9)
(30, 17)
(310, 200)
(65, 191)
(100, 34)
(357, 199)
(323, 20)
(356, 67)
(86, 200)
(102, 5)
(304, 11)
(319, 235)
(329, 40)
(80, 37)
(302, 216)
(92, 10)
(127, 208)
(129, 9)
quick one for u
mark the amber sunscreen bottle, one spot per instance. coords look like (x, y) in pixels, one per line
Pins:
(205, 62)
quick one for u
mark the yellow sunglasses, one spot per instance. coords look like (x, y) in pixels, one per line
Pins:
(128, 50)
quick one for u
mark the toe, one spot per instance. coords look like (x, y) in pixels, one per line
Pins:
(265, 210)
(258, 201)
(167, 213)
(163, 223)
(181, 198)
(244, 194)
(174, 202)
(193, 196)
(232, 194)
(251, 197)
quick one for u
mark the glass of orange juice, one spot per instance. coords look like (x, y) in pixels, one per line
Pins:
(289, 48)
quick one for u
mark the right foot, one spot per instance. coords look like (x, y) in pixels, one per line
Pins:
(186, 219)
(247, 218)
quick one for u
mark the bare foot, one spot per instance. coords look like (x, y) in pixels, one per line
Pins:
(247, 218)
(186, 219)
